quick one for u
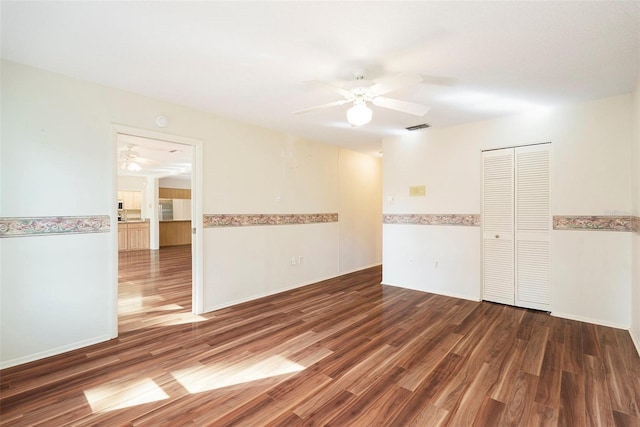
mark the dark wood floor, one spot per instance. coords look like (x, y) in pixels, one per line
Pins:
(343, 352)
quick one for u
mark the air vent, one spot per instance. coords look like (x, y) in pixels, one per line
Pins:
(418, 127)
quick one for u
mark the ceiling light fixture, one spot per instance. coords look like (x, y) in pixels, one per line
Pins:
(134, 167)
(130, 166)
(359, 114)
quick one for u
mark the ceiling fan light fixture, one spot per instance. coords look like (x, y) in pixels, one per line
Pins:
(134, 167)
(130, 166)
(359, 114)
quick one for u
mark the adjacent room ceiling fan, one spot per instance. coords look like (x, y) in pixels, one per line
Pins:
(361, 91)
(130, 160)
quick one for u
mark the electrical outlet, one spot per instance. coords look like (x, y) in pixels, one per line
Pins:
(293, 261)
(436, 264)
(300, 259)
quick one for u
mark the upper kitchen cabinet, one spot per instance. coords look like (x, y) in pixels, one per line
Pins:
(174, 193)
(131, 200)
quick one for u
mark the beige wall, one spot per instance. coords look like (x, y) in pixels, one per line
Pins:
(591, 175)
(174, 183)
(59, 159)
(635, 210)
(360, 178)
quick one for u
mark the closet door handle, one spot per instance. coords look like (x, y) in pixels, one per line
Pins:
(497, 236)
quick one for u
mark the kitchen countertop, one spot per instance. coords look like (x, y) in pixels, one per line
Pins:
(129, 221)
(176, 220)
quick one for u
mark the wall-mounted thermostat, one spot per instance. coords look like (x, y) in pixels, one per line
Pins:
(417, 191)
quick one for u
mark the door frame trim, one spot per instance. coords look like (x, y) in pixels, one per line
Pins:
(197, 278)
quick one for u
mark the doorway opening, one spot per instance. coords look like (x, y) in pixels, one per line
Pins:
(159, 246)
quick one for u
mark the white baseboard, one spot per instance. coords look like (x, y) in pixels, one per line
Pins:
(342, 273)
(211, 308)
(279, 290)
(590, 320)
(636, 340)
(53, 352)
(437, 292)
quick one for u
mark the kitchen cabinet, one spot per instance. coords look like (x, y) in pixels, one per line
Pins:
(173, 233)
(132, 200)
(138, 235)
(174, 193)
(137, 200)
(123, 242)
(133, 236)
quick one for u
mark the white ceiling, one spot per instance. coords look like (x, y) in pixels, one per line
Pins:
(248, 60)
(154, 157)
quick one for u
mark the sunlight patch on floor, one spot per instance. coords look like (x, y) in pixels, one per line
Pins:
(130, 304)
(219, 375)
(119, 395)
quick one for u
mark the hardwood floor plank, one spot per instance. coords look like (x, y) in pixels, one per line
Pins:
(345, 351)
(466, 408)
(413, 407)
(572, 400)
(590, 343)
(534, 350)
(504, 338)
(624, 420)
(519, 405)
(597, 401)
(623, 390)
(373, 403)
(286, 419)
(431, 416)
(383, 408)
(629, 357)
(490, 412)
(324, 413)
(543, 416)
(548, 389)
(418, 373)
(572, 355)
(508, 371)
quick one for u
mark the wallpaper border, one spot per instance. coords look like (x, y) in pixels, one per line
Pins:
(560, 222)
(53, 225)
(595, 223)
(250, 220)
(469, 220)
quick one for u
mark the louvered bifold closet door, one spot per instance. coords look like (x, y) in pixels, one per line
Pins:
(497, 226)
(533, 227)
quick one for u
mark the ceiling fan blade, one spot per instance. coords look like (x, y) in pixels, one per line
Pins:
(145, 161)
(320, 107)
(404, 106)
(336, 89)
(395, 82)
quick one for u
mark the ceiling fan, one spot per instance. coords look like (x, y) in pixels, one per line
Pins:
(361, 91)
(130, 160)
